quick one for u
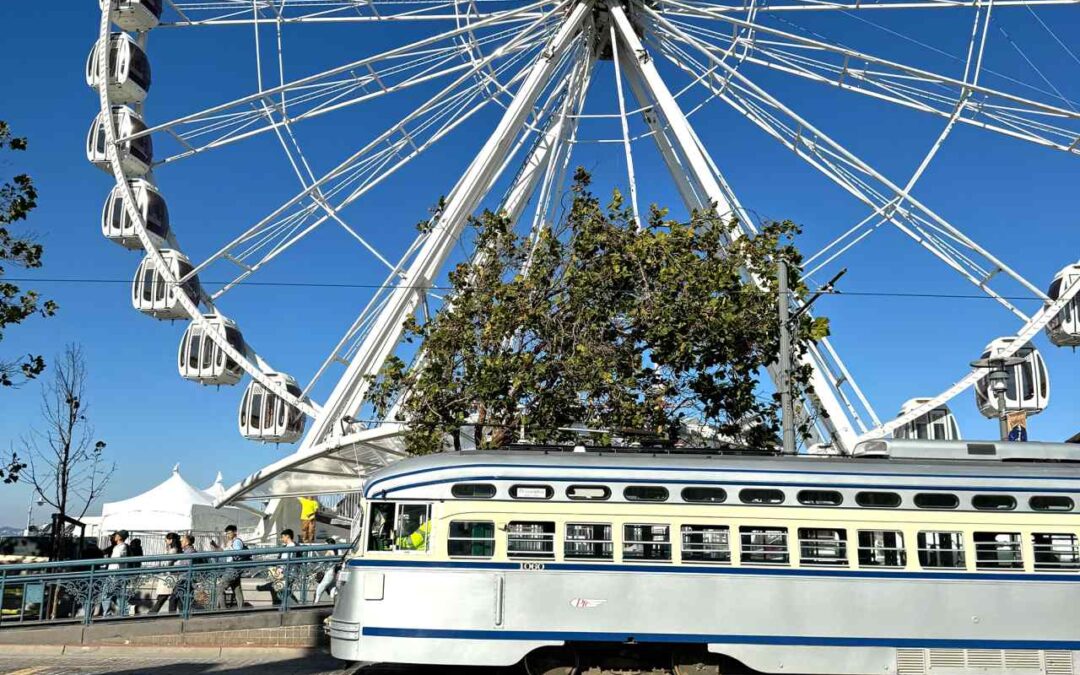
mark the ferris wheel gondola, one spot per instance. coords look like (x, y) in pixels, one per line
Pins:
(134, 15)
(136, 155)
(1028, 384)
(117, 226)
(128, 71)
(938, 424)
(264, 416)
(1064, 329)
(202, 360)
(153, 290)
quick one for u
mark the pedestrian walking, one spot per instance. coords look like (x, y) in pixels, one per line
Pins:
(111, 586)
(278, 586)
(231, 577)
(182, 591)
(163, 589)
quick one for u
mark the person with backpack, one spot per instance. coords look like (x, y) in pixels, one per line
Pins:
(231, 577)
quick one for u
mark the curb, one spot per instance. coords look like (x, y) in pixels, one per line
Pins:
(273, 653)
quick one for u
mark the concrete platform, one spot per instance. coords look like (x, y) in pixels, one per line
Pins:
(297, 629)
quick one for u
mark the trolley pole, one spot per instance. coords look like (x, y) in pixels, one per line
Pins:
(787, 414)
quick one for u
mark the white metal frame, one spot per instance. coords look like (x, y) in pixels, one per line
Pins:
(510, 57)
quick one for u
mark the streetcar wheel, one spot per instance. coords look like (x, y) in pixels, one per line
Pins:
(697, 662)
(552, 661)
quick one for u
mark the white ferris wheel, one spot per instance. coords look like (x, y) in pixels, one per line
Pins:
(531, 67)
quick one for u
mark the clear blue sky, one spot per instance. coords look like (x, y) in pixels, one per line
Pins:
(1017, 199)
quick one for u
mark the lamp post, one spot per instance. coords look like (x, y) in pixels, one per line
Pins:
(30, 511)
(998, 379)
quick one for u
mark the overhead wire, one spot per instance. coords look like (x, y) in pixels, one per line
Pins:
(326, 284)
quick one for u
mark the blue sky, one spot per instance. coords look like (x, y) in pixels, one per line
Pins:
(1017, 199)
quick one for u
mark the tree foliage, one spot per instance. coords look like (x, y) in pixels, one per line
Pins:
(18, 197)
(598, 322)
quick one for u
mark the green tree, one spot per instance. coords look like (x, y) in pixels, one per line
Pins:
(602, 323)
(18, 197)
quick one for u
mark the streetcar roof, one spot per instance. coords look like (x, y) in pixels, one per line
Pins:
(929, 465)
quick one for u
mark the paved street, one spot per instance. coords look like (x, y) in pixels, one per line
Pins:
(139, 663)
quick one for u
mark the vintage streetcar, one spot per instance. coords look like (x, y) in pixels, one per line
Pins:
(907, 557)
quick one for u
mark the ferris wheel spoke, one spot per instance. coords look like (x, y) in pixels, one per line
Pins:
(406, 298)
(270, 108)
(543, 168)
(735, 8)
(377, 161)
(891, 202)
(703, 187)
(975, 105)
(210, 13)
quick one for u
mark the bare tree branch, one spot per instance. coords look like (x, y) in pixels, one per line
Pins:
(66, 465)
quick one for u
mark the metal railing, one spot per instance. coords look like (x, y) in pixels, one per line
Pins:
(87, 591)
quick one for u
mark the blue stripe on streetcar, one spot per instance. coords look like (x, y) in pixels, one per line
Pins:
(699, 569)
(785, 640)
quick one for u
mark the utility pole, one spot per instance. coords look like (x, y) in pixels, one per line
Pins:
(788, 327)
(787, 412)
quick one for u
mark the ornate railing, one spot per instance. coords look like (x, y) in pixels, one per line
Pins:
(86, 591)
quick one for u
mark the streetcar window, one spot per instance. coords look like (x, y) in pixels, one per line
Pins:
(380, 526)
(880, 500)
(588, 541)
(706, 543)
(820, 498)
(399, 527)
(764, 545)
(645, 493)
(646, 542)
(532, 491)
(941, 550)
(760, 496)
(1050, 503)
(588, 492)
(998, 550)
(1057, 551)
(881, 548)
(530, 540)
(704, 494)
(822, 546)
(994, 502)
(471, 538)
(473, 490)
(936, 500)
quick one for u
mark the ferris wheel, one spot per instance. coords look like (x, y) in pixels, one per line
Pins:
(518, 79)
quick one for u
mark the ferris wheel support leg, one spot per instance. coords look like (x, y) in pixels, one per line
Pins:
(386, 332)
(706, 190)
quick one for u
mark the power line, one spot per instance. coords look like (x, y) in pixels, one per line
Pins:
(299, 284)
(318, 284)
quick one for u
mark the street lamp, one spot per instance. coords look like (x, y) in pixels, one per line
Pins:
(30, 510)
(998, 379)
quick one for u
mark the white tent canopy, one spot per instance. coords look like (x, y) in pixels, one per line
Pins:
(174, 505)
(217, 490)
